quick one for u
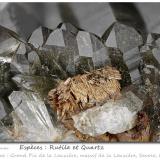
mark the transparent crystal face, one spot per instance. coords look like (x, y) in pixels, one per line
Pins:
(30, 69)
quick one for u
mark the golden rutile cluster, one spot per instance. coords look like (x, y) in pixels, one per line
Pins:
(81, 92)
(84, 91)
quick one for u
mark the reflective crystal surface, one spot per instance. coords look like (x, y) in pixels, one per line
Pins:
(150, 70)
(39, 36)
(132, 59)
(69, 27)
(113, 117)
(73, 51)
(4, 109)
(19, 62)
(34, 116)
(127, 40)
(8, 42)
(23, 81)
(30, 69)
(122, 36)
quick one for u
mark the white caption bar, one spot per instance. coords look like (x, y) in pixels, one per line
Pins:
(79, 151)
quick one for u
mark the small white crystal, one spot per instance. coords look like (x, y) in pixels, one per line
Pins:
(113, 117)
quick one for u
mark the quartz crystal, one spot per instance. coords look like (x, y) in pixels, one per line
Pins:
(113, 117)
(8, 43)
(23, 81)
(19, 62)
(156, 54)
(117, 61)
(36, 38)
(74, 51)
(150, 71)
(56, 38)
(151, 39)
(127, 40)
(4, 108)
(69, 27)
(33, 58)
(54, 57)
(39, 36)
(122, 36)
(34, 116)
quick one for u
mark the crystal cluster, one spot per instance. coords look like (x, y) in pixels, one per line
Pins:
(113, 117)
(84, 91)
(127, 40)
(74, 51)
(102, 89)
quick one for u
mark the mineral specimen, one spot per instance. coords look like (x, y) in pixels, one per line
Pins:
(117, 61)
(69, 27)
(33, 114)
(98, 114)
(152, 38)
(127, 40)
(36, 38)
(24, 82)
(84, 91)
(70, 51)
(132, 59)
(92, 98)
(156, 54)
(8, 42)
(56, 38)
(140, 133)
(4, 108)
(112, 117)
(19, 62)
(122, 36)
